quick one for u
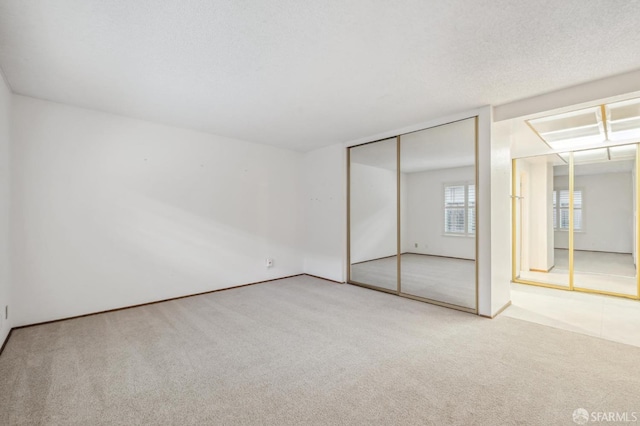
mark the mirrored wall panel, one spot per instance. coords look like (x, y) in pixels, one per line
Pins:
(542, 222)
(604, 248)
(438, 214)
(593, 192)
(373, 207)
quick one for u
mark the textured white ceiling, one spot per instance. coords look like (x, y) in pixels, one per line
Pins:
(307, 74)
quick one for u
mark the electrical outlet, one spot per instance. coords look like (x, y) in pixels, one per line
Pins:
(268, 262)
(416, 245)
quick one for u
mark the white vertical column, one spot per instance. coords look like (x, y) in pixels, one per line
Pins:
(540, 215)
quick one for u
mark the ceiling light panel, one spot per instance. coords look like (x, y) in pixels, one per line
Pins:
(623, 120)
(571, 130)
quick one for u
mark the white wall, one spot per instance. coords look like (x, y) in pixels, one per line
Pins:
(607, 212)
(500, 205)
(425, 214)
(5, 291)
(535, 239)
(110, 211)
(539, 201)
(488, 255)
(373, 212)
(324, 193)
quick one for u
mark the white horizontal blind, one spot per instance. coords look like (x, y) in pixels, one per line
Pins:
(577, 210)
(561, 209)
(460, 209)
(454, 209)
(564, 208)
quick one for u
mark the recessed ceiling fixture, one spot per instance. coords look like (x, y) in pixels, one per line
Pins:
(610, 153)
(615, 122)
(623, 120)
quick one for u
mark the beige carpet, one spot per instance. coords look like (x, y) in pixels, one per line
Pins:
(611, 272)
(306, 351)
(438, 278)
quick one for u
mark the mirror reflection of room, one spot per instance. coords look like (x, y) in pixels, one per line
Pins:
(542, 219)
(438, 208)
(604, 220)
(577, 228)
(604, 211)
(373, 214)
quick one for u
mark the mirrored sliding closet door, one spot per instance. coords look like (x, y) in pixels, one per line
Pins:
(412, 215)
(438, 214)
(576, 220)
(604, 220)
(542, 219)
(373, 223)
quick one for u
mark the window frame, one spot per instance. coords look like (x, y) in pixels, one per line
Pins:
(555, 205)
(466, 207)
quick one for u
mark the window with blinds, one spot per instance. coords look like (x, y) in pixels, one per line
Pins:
(561, 209)
(460, 209)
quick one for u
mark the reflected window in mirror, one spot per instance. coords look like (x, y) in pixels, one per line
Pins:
(460, 209)
(561, 210)
(437, 214)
